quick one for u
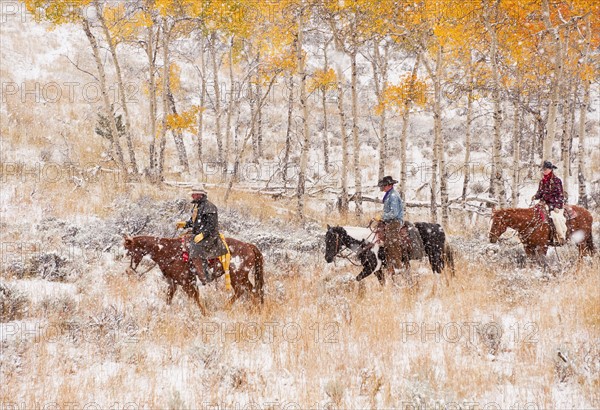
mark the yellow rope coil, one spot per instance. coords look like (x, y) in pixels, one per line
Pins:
(225, 260)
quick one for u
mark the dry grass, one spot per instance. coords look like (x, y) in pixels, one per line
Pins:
(320, 344)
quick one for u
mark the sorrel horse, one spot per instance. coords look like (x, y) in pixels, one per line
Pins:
(535, 232)
(168, 255)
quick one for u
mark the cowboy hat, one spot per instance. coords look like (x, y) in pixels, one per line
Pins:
(198, 189)
(548, 165)
(386, 180)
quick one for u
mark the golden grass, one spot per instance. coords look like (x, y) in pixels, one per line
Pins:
(378, 349)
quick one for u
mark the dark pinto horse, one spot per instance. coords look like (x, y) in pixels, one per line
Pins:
(168, 255)
(361, 242)
(535, 233)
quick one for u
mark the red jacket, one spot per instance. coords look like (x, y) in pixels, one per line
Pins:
(550, 191)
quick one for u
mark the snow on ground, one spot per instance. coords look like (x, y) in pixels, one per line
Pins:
(90, 334)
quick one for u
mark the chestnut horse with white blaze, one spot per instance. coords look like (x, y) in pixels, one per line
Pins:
(535, 233)
(168, 255)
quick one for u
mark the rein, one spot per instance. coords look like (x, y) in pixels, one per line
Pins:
(155, 263)
(143, 273)
(348, 255)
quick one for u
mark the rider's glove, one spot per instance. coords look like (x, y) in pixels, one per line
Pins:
(378, 218)
(181, 224)
(198, 237)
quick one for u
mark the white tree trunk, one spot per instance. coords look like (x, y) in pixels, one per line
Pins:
(122, 91)
(150, 51)
(466, 165)
(355, 140)
(165, 107)
(496, 168)
(516, 151)
(288, 133)
(405, 119)
(200, 136)
(582, 194)
(566, 139)
(217, 89)
(581, 159)
(104, 91)
(230, 108)
(300, 192)
(555, 84)
(343, 205)
(380, 81)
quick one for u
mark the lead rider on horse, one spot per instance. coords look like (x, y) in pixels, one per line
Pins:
(392, 220)
(205, 243)
(550, 191)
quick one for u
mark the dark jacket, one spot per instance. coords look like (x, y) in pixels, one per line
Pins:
(205, 220)
(550, 191)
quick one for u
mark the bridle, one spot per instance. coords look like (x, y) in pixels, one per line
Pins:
(339, 249)
(155, 263)
(137, 264)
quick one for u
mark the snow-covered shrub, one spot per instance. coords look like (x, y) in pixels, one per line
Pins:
(62, 305)
(49, 266)
(14, 268)
(13, 304)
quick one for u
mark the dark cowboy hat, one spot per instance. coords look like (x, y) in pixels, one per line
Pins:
(548, 165)
(387, 180)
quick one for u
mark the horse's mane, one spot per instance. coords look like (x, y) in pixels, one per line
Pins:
(354, 234)
(512, 211)
(357, 232)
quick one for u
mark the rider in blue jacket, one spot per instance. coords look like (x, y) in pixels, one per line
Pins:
(392, 220)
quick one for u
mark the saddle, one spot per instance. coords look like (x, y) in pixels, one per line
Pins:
(405, 237)
(218, 265)
(544, 215)
(570, 212)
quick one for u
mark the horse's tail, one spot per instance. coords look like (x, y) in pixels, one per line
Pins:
(448, 255)
(259, 273)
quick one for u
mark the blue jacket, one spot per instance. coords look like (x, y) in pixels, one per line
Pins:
(393, 209)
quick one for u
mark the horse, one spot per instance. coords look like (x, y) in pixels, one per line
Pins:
(356, 239)
(361, 241)
(438, 250)
(168, 255)
(535, 233)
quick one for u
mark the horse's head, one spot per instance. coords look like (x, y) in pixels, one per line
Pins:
(498, 226)
(134, 250)
(333, 242)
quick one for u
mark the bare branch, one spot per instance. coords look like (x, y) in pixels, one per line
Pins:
(79, 68)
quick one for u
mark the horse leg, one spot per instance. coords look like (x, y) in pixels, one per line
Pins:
(192, 291)
(531, 254)
(232, 299)
(541, 257)
(369, 262)
(171, 291)
(407, 270)
(381, 277)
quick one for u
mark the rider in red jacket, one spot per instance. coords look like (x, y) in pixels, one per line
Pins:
(550, 189)
(551, 192)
